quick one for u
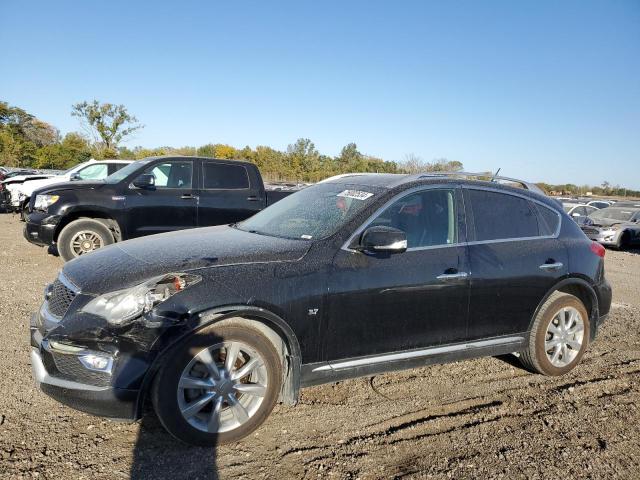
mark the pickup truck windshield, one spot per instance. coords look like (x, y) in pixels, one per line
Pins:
(313, 213)
(124, 172)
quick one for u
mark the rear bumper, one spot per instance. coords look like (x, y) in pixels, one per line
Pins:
(40, 229)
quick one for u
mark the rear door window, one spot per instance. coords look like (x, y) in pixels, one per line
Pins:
(224, 176)
(501, 216)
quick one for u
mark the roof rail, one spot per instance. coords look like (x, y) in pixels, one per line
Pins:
(485, 176)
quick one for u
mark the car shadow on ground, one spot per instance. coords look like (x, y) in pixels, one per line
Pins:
(512, 360)
(158, 456)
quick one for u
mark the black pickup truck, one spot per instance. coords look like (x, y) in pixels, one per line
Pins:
(154, 195)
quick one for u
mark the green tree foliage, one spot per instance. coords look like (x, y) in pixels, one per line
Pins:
(109, 124)
(21, 135)
(73, 149)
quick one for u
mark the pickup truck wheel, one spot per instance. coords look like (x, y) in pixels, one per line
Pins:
(559, 336)
(82, 236)
(218, 386)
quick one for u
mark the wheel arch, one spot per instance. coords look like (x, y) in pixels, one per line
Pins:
(581, 289)
(270, 324)
(108, 220)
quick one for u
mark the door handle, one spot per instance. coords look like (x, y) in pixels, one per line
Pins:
(253, 198)
(452, 277)
(551, 266)
(188, 196)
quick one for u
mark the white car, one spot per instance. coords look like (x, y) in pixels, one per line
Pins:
(578, 211)
(90, 170)
(12, 185)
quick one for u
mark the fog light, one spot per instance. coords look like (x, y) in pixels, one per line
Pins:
(97, 363)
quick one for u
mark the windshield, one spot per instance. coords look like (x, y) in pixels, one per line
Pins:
(621, 214)
(313, 213)
(124, 172)
(74, 168)
(568, 206)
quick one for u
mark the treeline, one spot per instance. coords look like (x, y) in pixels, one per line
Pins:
(26, 141)
(603, 190)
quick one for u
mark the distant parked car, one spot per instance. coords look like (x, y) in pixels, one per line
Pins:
(578, 211)
(599, 204)
(90, 170)
(614, 226)
(12, 181)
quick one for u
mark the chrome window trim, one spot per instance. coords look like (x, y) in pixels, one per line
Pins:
(395, 198)
(426, 352)
(525, 197)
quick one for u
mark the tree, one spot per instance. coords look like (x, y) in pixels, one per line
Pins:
(73, 149)
(301, 158)
(108, 124)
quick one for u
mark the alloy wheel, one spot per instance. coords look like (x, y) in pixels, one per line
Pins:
(85, 241)
(222, 387)
(564, 337)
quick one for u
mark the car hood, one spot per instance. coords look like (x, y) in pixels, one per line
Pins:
(22, 178)
(607, 222)
(29, 186)
(75, 185)
(132, 262)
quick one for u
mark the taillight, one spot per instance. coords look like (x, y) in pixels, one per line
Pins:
(597, 249)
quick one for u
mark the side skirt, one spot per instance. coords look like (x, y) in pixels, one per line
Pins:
(328, 372)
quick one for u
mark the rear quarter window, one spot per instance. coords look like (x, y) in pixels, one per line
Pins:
(548, 219)
(498, 216)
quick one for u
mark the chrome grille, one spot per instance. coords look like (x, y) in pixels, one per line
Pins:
(60, 298)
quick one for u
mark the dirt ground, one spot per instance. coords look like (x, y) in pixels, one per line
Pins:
(485, 418)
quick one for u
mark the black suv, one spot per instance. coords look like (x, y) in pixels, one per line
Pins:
(356, 275)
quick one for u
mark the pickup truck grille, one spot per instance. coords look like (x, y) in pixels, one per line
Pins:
(60, 299)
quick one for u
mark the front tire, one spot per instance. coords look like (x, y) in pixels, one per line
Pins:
(81, 237)
(218, 386)
(559, 336)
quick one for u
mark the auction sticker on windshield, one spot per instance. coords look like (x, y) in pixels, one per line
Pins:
(357, 194)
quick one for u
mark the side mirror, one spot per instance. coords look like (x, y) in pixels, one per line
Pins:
(146, 180)
(75, 176)
(383, 239)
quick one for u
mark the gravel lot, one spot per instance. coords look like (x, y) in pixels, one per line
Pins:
(486, 418)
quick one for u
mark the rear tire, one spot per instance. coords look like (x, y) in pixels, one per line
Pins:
(559, 336)
(81, 237)
(202, 400)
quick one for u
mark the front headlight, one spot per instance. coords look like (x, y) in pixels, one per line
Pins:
(45, 201)
(121, 306)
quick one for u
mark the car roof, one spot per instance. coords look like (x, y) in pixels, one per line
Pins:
(394, 180)
(189, 157)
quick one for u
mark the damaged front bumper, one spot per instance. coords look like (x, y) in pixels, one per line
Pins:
(61, 374)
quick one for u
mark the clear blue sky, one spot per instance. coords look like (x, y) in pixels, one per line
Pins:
(546, 90)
